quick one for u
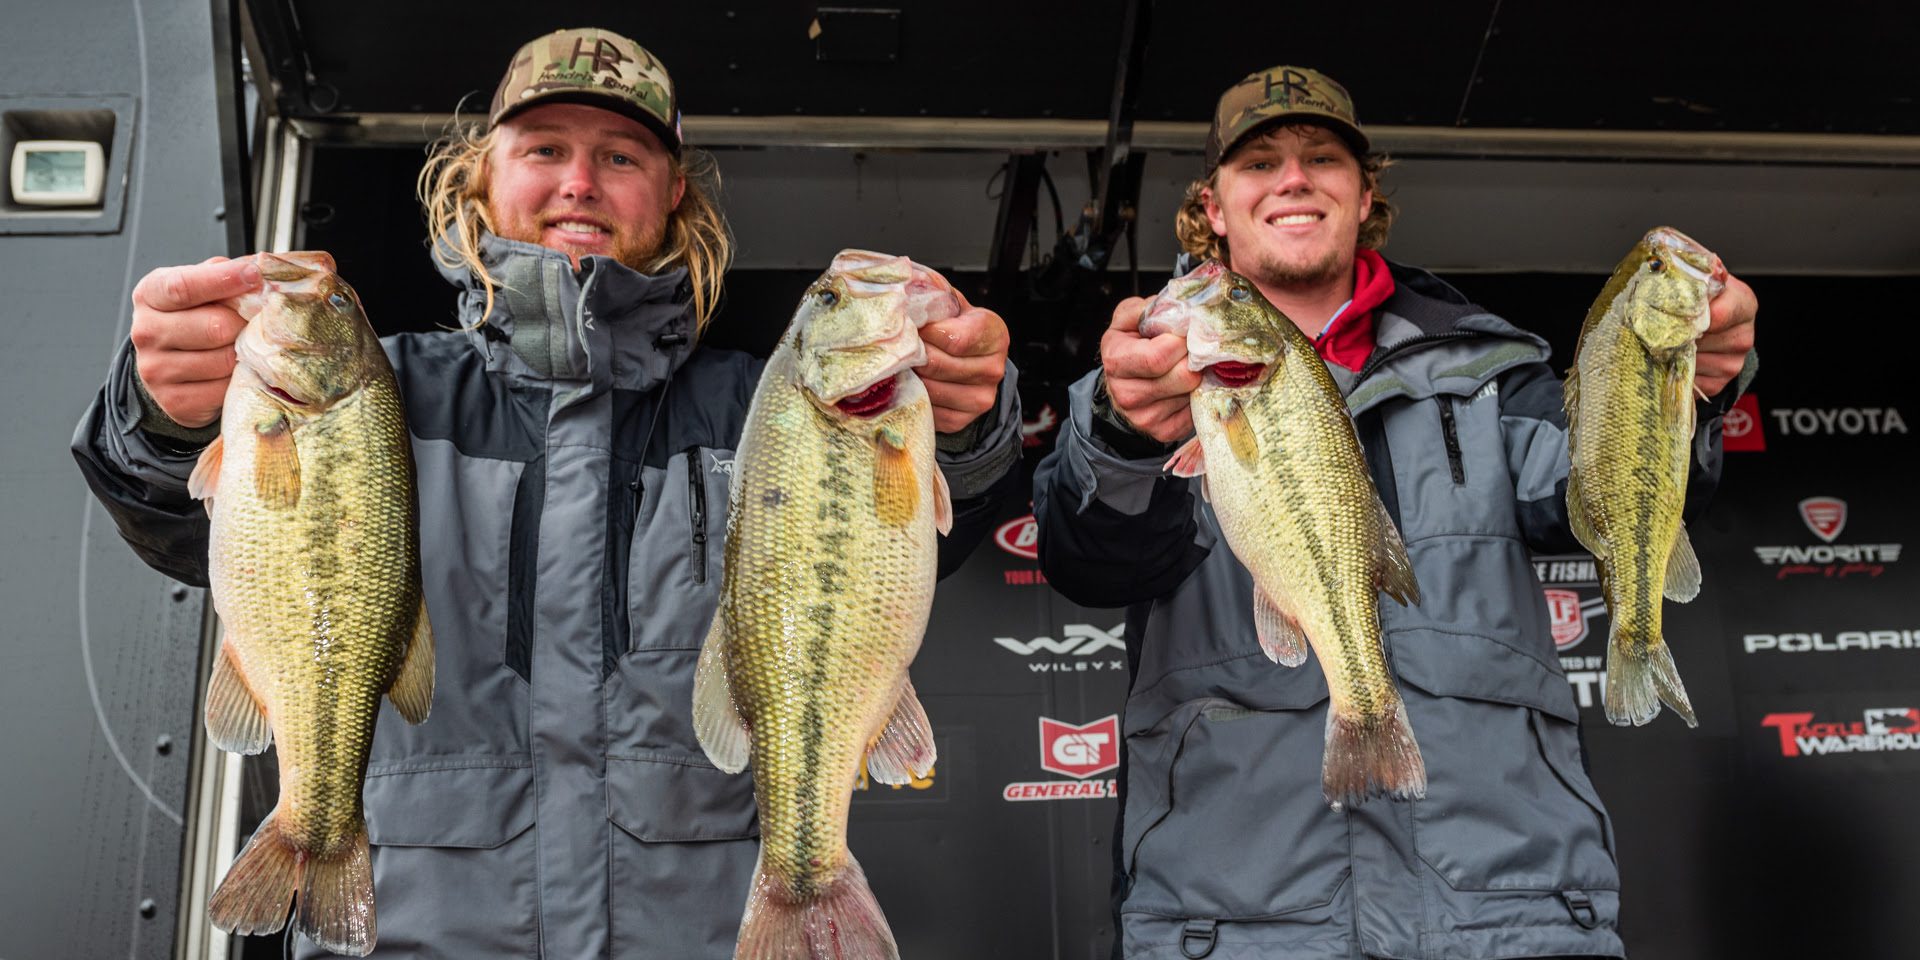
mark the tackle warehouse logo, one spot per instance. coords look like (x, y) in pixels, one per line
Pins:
(1826, 517)
(1083, 647)
(1842, 641)
(1740, 427)
(1879, 730)
(1078, 751)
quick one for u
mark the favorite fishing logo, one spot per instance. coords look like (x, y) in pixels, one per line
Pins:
(1879, 730)
(1826, 519)
(1081, 647)
(1576, 610)
(1079, 751)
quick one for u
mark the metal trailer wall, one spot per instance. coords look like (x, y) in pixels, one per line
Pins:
(99, 694)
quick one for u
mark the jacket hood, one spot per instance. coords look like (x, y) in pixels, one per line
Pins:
(606, 325)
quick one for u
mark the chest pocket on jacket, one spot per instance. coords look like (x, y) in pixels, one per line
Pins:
(674, 563)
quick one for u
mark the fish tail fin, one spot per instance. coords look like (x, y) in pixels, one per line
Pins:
(1366, 755)
(336, 898)
(839, 921)
(1640, 677)
(258, 889)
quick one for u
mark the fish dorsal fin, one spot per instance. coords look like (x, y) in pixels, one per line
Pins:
(716, 721)
(205, 479)
(1188, 461)
(236, 722)
(1396, 569)
(1239, 431)
(276, 464)
(896, 491)
(412, 690)
(1280, 634)
(1683, 569)
(904, 750)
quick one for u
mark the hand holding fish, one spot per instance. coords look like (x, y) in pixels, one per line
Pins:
(183, 334)
(966, 358)
(1147, 377)
(1722, 350)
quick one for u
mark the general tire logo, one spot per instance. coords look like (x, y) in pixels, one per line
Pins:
(1825, 516)
(1080, 751)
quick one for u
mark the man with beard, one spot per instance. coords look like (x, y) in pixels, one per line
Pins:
(574, 445)
(1225, 839)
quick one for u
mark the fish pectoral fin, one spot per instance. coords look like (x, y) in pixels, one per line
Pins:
(1188, 461)
(412, 690)
(904, 750)
(716, 721)
(276, 464)
(205, 478)
(1577, 518)
(236, 722)
(896, 491)
(1280, 634)
(1683, 569)
(1396, 569)
(1239, 430)
(942, 503)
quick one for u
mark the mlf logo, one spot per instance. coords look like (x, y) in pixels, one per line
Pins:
(1825, 516)
(1568, 618)
(1878, 730)
(1020, 537)
(1080, 751)
(1740, 427)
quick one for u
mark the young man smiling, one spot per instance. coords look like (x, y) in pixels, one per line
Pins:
(573, 446)
(1225, 841)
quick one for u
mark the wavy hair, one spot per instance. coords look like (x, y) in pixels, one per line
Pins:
(452, 188)
(1198, 239)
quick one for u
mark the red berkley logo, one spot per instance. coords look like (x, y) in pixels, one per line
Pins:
(1020, 537)
(1569, 624)
(1080, 751)
(1878, 730)
(1825, 516)
(1740, 427)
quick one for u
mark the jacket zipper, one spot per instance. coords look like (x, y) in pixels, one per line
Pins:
(1452, 435)
(697, 490)
(1382, 356)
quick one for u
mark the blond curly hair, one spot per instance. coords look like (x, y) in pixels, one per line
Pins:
(1198, 239)
(452, 188)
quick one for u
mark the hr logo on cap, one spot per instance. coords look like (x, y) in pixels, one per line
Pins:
(606, 55)
(1290, 80)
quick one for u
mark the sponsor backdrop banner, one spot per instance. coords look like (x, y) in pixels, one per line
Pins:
(1801, 656)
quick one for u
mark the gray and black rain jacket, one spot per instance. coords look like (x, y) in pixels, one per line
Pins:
(1226, 845)
(574, 457)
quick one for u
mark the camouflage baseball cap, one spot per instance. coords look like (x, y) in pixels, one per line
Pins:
(1290, 93)
(599, 68)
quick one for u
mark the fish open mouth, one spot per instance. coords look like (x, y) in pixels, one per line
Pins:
(283, 396)
(1233, 373)
(869, 402)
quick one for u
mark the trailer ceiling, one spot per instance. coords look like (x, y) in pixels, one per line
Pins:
(1843, 68)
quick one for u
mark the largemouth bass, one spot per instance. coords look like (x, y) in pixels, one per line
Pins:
(315, 572)
(1630, 419)
(830, 563)
(1289, 485)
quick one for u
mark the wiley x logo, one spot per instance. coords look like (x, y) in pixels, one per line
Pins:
(1081, 640)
